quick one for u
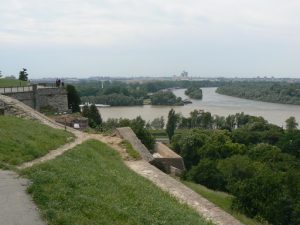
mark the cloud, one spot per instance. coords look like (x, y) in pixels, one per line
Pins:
(109, 22)
(151, 36)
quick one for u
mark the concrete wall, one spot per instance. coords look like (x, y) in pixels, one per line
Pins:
(56, 98)
(167, 159)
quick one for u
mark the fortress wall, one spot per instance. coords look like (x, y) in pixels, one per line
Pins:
(25, 97)
(39, 98)
(55, 97)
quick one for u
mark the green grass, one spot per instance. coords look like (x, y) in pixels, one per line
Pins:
(90, 185)
(130, 150)
(12, 83)
(221, 199)
(24, 140)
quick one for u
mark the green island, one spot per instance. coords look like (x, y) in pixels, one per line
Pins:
(118, 93)
(165, 98)
(276, 92)
(91, 185)
(194, 92)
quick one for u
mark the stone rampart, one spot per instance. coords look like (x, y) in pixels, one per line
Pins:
(40, 98)
(54, 97)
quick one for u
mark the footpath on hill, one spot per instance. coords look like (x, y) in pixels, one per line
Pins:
(15, 188)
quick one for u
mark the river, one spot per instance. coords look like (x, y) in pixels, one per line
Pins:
(212, 102)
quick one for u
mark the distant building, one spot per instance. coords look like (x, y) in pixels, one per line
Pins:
(183, 76)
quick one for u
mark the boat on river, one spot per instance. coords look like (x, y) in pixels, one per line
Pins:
(97, 105)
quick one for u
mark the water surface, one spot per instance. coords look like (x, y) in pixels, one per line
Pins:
(213, 102)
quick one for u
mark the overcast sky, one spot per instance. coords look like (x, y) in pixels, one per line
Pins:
(85, 38)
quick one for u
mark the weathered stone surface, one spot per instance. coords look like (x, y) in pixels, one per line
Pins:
(167, 158)
(127, 134)
(39, 98)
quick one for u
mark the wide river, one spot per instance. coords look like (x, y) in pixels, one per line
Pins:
(212, 102)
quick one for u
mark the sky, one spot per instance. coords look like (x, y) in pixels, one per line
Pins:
(208, 38)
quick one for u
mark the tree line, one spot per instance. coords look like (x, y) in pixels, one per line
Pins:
(276, 92)
(120, 93)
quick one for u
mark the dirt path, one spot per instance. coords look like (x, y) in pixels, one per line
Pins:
(16, 206)
(184, 194)
(111, 141)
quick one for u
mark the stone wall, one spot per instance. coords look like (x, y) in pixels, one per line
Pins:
(11, 107)
(39, 98)
(25, 97)
(55, 97)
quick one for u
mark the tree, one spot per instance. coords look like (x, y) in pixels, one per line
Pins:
(138, 127)
(85, 111)
(23, 75)
(171, 124)
(94, 117)
(291, 123)
(158, 123)
(73, 98)
(206, 173)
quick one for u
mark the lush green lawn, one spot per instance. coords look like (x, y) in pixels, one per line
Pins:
(23, 140)
(12, 83)
(91, 185)
(221, 199)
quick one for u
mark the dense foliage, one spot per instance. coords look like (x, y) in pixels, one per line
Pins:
(73, 98)
(257, 162)
(113, 100)
(194, 92)
(120, 93)
(158, 123)
(285, 93)
(93, 115)
(165, 98)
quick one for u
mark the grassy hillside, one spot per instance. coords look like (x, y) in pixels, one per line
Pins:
(221, 199)
(23, 140)
(12, 83)
(91, 185)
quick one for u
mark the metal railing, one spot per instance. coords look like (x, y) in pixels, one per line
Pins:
(4, 90)
(17, 89)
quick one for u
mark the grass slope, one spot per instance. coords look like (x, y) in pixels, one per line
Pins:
(12, 83)
(24, 140)
(91, 185)
(221, 199)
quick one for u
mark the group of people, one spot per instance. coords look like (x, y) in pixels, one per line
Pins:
(59, 83)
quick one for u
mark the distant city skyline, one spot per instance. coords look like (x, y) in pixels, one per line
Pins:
(130, 38)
